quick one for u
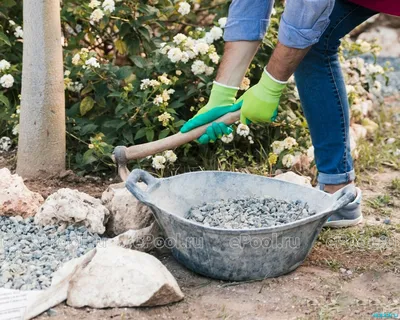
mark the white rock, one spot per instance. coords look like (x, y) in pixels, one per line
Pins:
(15, 197)
(118, 277)
(294, 178)
(67, 206)
(126, 212)
(5, 143)
(142, 240)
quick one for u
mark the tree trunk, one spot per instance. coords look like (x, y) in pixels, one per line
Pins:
(41, 145)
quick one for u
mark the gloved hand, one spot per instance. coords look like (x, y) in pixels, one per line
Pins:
(260, 103)
(220, 102)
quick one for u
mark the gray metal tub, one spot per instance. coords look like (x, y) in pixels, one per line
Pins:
(242, 254)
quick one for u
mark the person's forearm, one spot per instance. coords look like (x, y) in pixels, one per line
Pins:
(284, 61)
(235, 61)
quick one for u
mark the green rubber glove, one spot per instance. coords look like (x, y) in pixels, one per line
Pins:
(260, 103)
(220, 102)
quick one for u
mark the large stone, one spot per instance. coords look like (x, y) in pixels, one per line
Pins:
(71, 207)
(126, 212)
(144, 240)
(294, 178)
(15, 197)
(118, 277)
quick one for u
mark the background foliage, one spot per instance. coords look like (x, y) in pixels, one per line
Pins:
(130, 79)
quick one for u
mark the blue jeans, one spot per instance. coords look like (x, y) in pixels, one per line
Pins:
(323, 95)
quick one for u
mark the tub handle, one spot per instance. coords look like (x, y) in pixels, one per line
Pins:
(136, 176)
(343, 197)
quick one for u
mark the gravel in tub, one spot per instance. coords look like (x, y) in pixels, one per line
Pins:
(29, 254)
(249, 213)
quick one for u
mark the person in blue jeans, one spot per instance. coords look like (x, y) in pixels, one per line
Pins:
(309, 38)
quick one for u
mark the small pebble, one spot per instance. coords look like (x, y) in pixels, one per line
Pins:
(249, 213)
(386, 221)
(29, 253)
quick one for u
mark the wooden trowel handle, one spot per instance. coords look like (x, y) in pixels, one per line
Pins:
(148, 149)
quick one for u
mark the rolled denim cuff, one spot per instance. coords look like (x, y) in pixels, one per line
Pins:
(245, 29)
(336, 178)
(298, 38)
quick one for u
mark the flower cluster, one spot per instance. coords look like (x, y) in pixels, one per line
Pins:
(100, 9)
(6, 80)
(18, 32)
(85, 59)
(197, 47)
(159, 162)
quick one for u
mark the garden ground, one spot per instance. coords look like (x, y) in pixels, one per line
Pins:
(350, 273)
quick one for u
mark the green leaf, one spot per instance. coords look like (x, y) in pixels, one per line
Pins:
(150, 134)
(4, 100)
(88, 128)
(124, 72)
(4, 38)
(128, 135)
(88, 89)
(88, 157)
(164, 133)
(87, 104)
(140, 133)
(179, 123)
(8, 3)
(138, 61)
(121, 46)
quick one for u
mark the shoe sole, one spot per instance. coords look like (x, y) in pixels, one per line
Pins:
(343, 223)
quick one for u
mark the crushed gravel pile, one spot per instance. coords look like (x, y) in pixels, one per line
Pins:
(249, 213)
(29, 254)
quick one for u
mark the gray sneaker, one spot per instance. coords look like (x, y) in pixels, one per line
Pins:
(348, 216)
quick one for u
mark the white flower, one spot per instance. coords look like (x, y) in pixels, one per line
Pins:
(214, 57)
(245, 84)
(227, 138)
(165, 118)
(184, 8)
(158, 100)
(15, 130)
(94, 4)
(12, 23)
(19, 33)
(158, 162)
(208, 38)
(310, 153)
(165, 95)
(216, 32)
(396, 153)
(109, 6)
(5, 143)
(92, 62)
(7, 81)
(251, 141)
(277, 147)
(288, 160)
(209, 71)
(273, 12)
(189, 43)
(243, 130)
(171, 91)
(201, 47)
(78, 28)
(198, 67)
(154, 83)
(372, 68)
(289, 143)
(67, 73)
(350, 89)
(165, 49)
(175, 55)
(222, 22)
(97, 15)
(179, 38)
(185, 57)
(144, 84)
(164, 79)
(366, 106)
(376, 89)
(364, 46)
(4, 65)
(170, 156)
